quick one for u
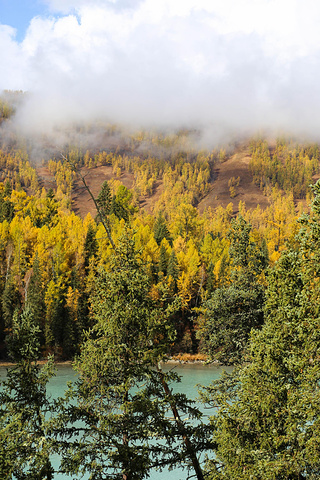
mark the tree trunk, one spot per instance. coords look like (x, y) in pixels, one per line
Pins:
(189, 447)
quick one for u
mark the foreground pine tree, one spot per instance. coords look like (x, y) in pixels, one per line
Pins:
(121, 419)
(24, 439)
(268, 421)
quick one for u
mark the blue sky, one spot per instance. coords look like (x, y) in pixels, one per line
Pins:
(18, 14)
(229, 65)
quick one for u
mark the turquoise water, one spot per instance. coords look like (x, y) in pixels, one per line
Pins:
(192, 375)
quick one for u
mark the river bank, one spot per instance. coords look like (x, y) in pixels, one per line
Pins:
(180, 358)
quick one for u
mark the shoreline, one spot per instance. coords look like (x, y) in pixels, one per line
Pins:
(178, 359)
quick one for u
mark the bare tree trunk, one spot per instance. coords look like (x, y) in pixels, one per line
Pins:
(189, 447)
(103, 220)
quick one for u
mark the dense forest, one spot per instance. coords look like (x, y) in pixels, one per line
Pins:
(146, 275)
(48, 253)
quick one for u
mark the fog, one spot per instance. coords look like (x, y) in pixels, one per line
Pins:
(224, 68)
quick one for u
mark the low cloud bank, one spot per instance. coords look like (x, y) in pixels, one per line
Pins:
(223, 69)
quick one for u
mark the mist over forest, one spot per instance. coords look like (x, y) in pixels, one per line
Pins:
(223, 70)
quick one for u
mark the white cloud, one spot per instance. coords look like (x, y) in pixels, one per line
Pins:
(233, 64)
(13, 70)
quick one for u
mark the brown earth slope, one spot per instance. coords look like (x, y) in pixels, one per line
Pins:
(82, 203)
(235, 166)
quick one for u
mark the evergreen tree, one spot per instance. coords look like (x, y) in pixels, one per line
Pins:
(7, 189)
(104, 201)
(6, 206)
(122, 397)
(121, 203)
(50, 194)
(268, 423)
(234, 310)
(7, 211)
(173, 266)
(160, 230)
(57, 321)
(228, 317)
(24, 440)
(90, 245)
(34, 300)
(162, 267)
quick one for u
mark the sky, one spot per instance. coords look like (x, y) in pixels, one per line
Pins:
(221, 65)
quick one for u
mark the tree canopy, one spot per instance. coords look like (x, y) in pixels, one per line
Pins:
(267, 425)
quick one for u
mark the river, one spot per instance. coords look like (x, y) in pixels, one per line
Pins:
(191, 376)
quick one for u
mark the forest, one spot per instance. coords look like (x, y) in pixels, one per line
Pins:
(144, 275)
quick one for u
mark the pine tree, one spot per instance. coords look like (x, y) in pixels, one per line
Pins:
(57, 324)
(7, 189)
(173, 266)
(160, 230)
(122, 397)
(121, 203)
(34, 300)
(162, 267)
(234, 310)
(104, 201)
(24, 440)
(6, 206)
(268, 422)
(90, 245)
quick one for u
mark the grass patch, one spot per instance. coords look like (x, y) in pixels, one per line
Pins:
(190, 357)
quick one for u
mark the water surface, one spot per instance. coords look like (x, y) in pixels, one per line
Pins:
(191, 376)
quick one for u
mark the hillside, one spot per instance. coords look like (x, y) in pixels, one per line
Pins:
(247, 192)
(171, 199)
(236, 165)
